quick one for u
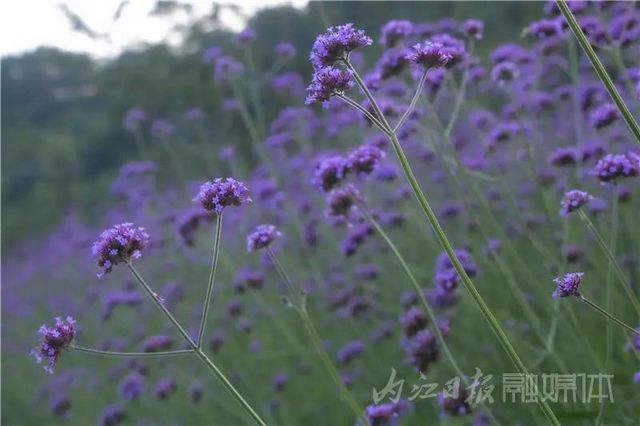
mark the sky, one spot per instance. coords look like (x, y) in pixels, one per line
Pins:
(28, 24)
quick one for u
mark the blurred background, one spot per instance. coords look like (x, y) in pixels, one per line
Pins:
(70, 71)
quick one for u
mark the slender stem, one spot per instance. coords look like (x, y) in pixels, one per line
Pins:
(599, 68)
(131, 354)
(212, 276)
(432, 317)
(159, 305)
(612, 259)
(368, 94)
(414, 101)
(446, 245)
(608, 315)
(364, 112)
(317, 341)
(227, 384)
(198, 351)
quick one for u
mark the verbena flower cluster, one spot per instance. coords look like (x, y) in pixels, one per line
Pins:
(568, 285)
(220, 193)
(54, 341)
(262, 237)
(121, 243)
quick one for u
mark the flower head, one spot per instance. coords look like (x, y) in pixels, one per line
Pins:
(429, 55)
(54, 341)
(336, 43)
(245, 37)
(262, 237)
(342, 202)
(504, 72)
(133, 119)
(615, 166)
(604, 115)
(567, 285)
(573, 200)
(364, 159)
(118, 244)
(473, 28)
(285, 50)
(227, 68)
(330, 172)
(394, 31)
(219, 193)
(327, 82)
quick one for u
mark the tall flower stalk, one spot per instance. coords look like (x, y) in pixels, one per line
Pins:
(599, 68)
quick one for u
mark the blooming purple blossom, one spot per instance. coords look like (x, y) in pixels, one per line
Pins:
(394, 31)
(130, 387)
(342, 202)
(285, 50)
(327, 82)
(330, 172)
(504, 72)
(364, 159)
(164, 388)
(262, 237)
(162, 128)
(605, 115)
(573, 200)
(429, 55)
(226, 69)
(350, 351)
(220, 193)
(568, 285)
(133, 119)
(473, 28)
(54, 341)
(118, 244)
(245, 37)
(616, 166)
(211, 54)
(336, 43)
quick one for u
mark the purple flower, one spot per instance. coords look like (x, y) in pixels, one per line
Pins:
(336, 43)
(211, 54)
(195, 392)
(220, 193)
(413, 321)
(605, 115)
(573, 200)
(391, 63)
(383, 414)
(504, 72)
(615, 166)
(194, 114)
(280, 381)
(564, 156)
(443, 263)
(567, 285)
(327, 82)
(473, 28)
(133, 119)
(162, 128)
(364, 159)
(350, 351)
(112, 415)
(54, 341)
(164, 388)
(422, 350)
(394, 31)
(342, 202)
(285, 50)
(227, 68)
(131, 387)
(60, 405)
(330, 172)
(245, 37)
(262, 237)
(544, 28)
(451, 46)
(118, 244)
(429, 55)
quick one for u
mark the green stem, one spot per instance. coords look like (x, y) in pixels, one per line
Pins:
(227, 384)
(599, 68)
(446, 245)
(131, 354)
(198, 351)
(212, 276)
(608, 315)
(414, 101)
(612, 259)
(364, 112)
(317, 341)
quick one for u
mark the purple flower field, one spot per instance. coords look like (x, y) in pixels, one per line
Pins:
(425, 230)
